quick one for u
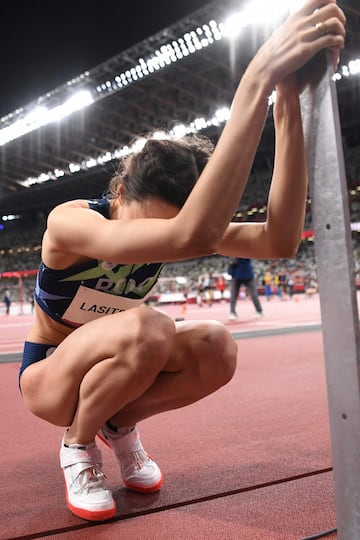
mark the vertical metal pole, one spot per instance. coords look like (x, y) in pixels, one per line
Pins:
(335, 267)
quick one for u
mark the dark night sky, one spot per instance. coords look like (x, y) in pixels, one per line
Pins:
(44, 44)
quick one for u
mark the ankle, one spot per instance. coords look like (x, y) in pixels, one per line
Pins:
(120, 430)
(74, 440)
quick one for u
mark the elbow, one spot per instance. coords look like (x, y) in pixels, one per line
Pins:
(286, 249)
(287, 253)
(282, 243)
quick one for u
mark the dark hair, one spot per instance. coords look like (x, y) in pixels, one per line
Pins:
(164, 168)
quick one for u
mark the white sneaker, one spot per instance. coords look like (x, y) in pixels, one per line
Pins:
(259, 314)
(138, 471)
(86, 493)
(233, 317)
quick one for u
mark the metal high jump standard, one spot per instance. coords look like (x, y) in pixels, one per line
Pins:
(335, 268)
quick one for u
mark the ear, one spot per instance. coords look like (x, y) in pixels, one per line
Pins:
(120, 192)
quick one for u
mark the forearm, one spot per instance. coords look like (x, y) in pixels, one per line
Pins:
(223, 181)
(288, 192)
(216, 195)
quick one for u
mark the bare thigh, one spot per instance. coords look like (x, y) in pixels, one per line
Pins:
(51, 386)
(202, 359)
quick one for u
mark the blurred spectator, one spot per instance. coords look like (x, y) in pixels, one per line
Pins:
(209, 287)
(290, 287)
(200, 291)
(7, 301)
(311, 288)
(242, 273)
(267, 284)
(221, 285)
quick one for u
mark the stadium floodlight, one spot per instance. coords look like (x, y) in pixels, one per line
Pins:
(44, 177)
(90, 163)
(41, 116)
(179, 130)
(10, 217)
(104, 157)
(200, 124)
(255, 13)
(354, 67)
(74, 167)
(138, 144)
(159, 135)
(220, 116)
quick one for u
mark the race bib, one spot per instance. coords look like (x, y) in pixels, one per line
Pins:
(88, 305)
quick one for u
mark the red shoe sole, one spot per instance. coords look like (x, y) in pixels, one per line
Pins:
(97, 515)
(146, 489)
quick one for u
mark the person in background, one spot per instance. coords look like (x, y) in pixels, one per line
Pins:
(221, 285)
(311, 288)
(290, 287)
(268, 285)
(282, 284)
(209, 286)
(200, 291)
(277, 285)
(31, 301)
(7, 301)
(242, 273)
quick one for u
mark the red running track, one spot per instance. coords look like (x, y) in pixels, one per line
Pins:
(250, 462)
(301, 311)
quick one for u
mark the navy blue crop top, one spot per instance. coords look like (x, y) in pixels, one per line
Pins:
(85, 292)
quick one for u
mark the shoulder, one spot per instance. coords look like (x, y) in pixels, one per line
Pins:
(70, 226)
(72, 211)
(76, 203)
(66, 208)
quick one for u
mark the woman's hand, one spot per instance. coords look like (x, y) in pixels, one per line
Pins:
(318, 25)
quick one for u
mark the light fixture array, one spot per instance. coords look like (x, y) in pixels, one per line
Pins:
(174, 51)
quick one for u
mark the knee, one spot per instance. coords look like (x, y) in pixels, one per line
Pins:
(150, 334)
(157, 332)
(219, 354)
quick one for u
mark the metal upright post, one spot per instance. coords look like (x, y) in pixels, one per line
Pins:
(335, 268)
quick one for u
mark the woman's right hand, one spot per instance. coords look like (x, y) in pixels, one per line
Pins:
(318, 25)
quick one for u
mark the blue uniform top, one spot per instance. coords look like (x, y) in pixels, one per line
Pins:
(242, 269)
(93, 289)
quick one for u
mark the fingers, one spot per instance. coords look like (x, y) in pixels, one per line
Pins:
(325, 27)
(325, 15)
(331, 26)
(314, 5)
(319, 25)
(330, 18)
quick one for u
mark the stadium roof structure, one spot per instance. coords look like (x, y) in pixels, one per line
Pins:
(183, 77)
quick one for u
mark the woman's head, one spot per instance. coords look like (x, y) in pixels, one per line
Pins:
(166, 169)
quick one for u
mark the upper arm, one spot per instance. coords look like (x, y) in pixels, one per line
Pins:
(257, 241)
(245, 239)
(71, 229)
(75, 230)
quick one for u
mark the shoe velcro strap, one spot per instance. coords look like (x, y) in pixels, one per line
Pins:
(88, 456)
